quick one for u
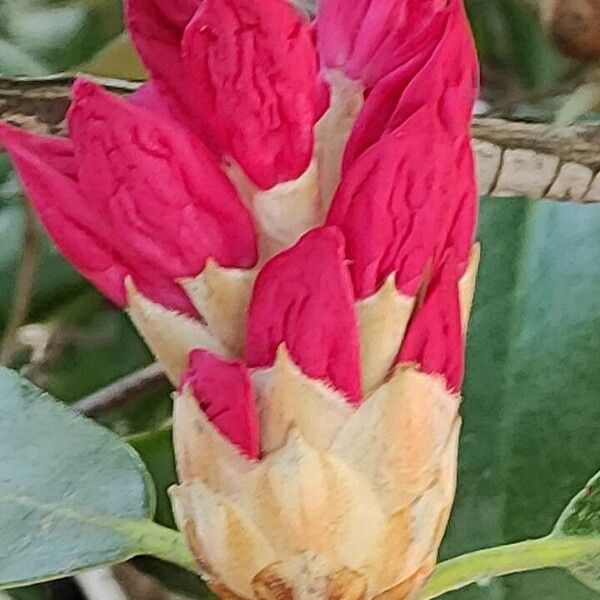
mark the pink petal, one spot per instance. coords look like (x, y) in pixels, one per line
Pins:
(224, 392)
(456, 245)
(303, 298)
(434, 338)
(150, 97)
(46, 168)
(57, 152)
(156, 27)
(159, 192)
(251, 67)
(393, 205)
(368, 39)
(444, 72)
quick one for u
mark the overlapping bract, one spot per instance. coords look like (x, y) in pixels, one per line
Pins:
(287, 212)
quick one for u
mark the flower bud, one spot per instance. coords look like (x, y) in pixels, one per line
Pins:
(252, 69)
(131, 194)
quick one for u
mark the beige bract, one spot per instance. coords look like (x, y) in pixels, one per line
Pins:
(345, 504)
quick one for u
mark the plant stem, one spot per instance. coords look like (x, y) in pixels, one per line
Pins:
(161, 542)
(541, 553)
(129, 389)
(23, 285)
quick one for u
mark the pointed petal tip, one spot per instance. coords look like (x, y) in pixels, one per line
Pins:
(9, 132)
(224, 391)
(303, 297)
(84, 87)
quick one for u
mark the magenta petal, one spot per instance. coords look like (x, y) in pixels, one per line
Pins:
(45, 166)
(160, 192)
(303, 299)
(56, 152)
(150, 97)
(156, 27)
(456, 246)
(367, 39)
(393, 205)
(434, 338)
(251, 67)
(443, 72)
(224, 392)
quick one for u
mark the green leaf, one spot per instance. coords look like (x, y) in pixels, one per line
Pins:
(55, 280)
(510, 39)
(574, 544)
(530, 411)
(176, 579)
(16, 61)
(118, 60)
(581, 518)
(156, 450)
(36, 592)
(72, 494)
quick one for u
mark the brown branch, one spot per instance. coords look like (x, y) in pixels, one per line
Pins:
(23, 286)
(577, 143)
(125, 391)
(514, 157)
(39, 104)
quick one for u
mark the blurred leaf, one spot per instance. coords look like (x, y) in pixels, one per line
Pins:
(174, 578)
(510, 38)
(581, 518)
(531, 409)
(16, 61)
(583, 100)
(70, 491)
(38, 28)
(55, 280)
(35, 592)
(118, 59)
(60, 35)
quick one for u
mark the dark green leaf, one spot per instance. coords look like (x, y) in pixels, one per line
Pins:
(531, 411)
(174, 578)
(156, 450)
(35, 592)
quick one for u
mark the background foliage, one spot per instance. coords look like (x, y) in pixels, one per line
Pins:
(531, 398)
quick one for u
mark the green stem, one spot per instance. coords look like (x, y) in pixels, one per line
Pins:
(161, 542)
(513, 558)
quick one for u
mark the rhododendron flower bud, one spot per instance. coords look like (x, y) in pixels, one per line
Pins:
(446, 69)
(132, 195)
(368, 39)
(270, 523)
(252, 69)
(402, 184)
(303, 269)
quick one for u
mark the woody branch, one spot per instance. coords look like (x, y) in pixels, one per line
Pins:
(515, 158)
